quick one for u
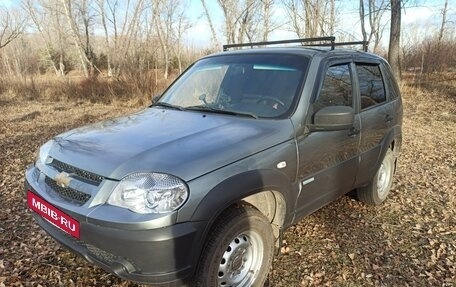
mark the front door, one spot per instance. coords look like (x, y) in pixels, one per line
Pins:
(328, 160)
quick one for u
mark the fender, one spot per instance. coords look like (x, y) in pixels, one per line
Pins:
(393, 135)
(235, 188)
(240, 186)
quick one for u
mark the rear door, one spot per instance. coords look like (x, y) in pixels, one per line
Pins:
(376, 116)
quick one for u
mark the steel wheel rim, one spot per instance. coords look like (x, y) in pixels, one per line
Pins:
(383, 179)
(241, 261)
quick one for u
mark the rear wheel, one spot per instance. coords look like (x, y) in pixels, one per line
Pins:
(378, 189)
(239, 250)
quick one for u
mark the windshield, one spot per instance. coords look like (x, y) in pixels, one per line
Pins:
(260, 85)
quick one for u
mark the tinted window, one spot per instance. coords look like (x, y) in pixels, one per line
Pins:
(371, 88)
(391, 83)
(336, 89)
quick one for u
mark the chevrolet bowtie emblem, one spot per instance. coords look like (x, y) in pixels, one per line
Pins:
(62, 179)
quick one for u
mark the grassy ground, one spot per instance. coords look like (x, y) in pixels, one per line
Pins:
(408, 241)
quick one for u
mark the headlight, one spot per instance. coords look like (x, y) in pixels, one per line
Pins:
(43, 152)
(149, 193)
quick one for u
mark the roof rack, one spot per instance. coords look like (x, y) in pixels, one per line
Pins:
(324, 42)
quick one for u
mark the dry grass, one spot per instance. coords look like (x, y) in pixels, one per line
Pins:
(74, 88)
(408, 241)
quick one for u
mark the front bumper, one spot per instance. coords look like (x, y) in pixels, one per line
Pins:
(160, 256)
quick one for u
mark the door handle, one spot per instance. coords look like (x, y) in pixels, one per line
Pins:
(353, 132)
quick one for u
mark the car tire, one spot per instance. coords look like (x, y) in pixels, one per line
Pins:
(239, 250)
(378, 189)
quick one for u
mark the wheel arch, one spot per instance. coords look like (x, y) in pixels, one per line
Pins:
(269, 191)
(271, 204)
(393, 141)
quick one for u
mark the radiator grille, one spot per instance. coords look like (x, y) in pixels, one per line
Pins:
(68, 193)
(85, 175)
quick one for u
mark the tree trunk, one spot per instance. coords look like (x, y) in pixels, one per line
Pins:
(75, 36)
(442, 27)
(215, 42)
(30, 10)
(105, 29)
(395, 37)
(361, 18)
(332, 23)
(61, 70)
(161, 36)
(308, 13)
(267, 15)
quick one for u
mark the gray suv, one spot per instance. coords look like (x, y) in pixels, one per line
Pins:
(198, 188)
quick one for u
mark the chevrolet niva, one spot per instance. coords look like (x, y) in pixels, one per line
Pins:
(198, 188)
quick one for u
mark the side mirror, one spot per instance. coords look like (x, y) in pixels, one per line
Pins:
(334, 118)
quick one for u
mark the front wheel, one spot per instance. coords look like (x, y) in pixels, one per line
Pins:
(378, 189)
(239, 250)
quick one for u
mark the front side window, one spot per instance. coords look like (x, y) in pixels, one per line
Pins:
(371, 87)
(336, 89)
(260, 85)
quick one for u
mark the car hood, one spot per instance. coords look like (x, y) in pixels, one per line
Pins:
(186, 144)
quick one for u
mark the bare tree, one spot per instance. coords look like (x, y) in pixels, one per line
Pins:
(180, 27)
(444, 21)
(124, 41)
(215, 41)
(101, 6)
(311, 18)
(170, 24)
(395, 37)
(242, 19)
(162, 13)
(11, 26)
(269, 25)
(249, 21)
(376, 10)
(86, 16)
(122, 36)
(297, 19)
(332, 19)
(228, 8)
(32, 11)
(362, 16)
(60, 34)
(48, 18)
(84, 60)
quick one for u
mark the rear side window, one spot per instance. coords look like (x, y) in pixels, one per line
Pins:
(371, 86)
(336, 89)
(391, 83)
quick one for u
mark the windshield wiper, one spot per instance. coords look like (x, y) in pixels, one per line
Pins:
(220, 111)
(166, 105)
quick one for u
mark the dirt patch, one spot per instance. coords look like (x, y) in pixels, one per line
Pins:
(408, 241)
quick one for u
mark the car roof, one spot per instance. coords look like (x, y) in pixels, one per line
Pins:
(300, 51)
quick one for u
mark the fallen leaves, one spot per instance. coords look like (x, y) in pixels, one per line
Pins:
(408, 241)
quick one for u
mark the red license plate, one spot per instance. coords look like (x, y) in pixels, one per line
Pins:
(53, 214)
